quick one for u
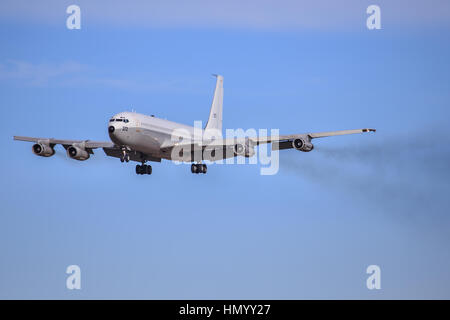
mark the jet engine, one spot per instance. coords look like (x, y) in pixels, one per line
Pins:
(43, 150)
(244, 150)
(77, 152)
(302, 145)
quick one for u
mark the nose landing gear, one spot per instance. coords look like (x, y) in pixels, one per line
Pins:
(199, 168)
(125, 156)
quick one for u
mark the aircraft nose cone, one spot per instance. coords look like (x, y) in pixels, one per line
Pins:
(111, 129)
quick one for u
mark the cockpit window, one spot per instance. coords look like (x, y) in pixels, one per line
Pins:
(120, 120)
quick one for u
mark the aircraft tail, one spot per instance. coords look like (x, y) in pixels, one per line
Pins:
(215, 115)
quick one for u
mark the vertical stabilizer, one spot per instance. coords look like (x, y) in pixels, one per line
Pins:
(215, 115)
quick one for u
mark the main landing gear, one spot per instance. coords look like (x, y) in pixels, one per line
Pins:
(143, 169)
(198, 168)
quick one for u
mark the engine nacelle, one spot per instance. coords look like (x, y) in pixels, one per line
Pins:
(239, 149)
(77, 152)
(43, 150)
(244, 150)
(250, 152)
(302, 145)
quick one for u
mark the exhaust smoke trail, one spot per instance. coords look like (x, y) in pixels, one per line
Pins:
(402, 176)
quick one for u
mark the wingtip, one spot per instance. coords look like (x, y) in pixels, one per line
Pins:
(369, 130)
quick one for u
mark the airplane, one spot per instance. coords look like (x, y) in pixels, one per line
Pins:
(142, 138)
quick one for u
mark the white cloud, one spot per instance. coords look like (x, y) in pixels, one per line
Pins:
(37, 74)
(72, 74)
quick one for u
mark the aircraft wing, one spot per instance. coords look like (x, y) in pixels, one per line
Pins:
(226, 146)
(66, 143)
(109, 148)
(271, 139)
(309, 136)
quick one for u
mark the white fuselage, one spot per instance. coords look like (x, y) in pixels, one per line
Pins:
(149, 134)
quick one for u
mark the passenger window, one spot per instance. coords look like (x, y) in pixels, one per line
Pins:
(111, 120)
(126, 120)
(118, 119)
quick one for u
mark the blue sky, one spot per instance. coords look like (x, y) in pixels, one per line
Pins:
(309, 231)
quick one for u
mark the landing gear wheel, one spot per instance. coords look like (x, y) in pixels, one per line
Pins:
(198, 168)
(143, 169)
(122, 159)
(127, 157)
